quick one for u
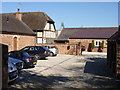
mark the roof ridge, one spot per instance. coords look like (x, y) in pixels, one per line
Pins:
(24, 12)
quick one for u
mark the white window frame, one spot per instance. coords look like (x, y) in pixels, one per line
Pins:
(39, 40)
(97, 43)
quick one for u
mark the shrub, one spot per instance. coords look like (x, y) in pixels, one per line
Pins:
(102, 44)
(93, 44)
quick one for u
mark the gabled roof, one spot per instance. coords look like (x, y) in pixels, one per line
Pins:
(35, 20)
(87, 33)
(114, 37)
(12, 25)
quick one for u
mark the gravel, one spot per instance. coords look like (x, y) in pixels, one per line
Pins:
(68, 71)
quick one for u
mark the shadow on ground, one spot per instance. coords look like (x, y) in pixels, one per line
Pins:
(102, 78)
(102, 75)
(33, 81)
(97, 66)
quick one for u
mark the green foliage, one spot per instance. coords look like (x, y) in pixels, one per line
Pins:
(93, 44)
(102, 44)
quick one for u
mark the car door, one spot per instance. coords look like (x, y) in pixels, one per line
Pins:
(40, 50)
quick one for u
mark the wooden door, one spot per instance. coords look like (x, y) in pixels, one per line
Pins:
(15, 43)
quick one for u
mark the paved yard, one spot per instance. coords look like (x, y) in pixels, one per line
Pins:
(68, 71)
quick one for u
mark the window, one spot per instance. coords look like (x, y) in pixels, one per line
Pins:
(32, 49)
(26, 48)
(49, 26)
(97, 43)
(39, 40)
(39, 34)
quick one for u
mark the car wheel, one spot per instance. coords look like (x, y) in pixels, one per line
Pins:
(37, 57)
(55, 55)
(51, 54)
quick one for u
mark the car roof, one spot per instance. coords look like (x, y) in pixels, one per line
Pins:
(32, 46)
(48, 45)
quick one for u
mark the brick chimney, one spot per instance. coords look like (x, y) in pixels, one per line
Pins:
(18, 15)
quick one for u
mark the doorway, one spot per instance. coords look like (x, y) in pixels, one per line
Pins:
(15, 43)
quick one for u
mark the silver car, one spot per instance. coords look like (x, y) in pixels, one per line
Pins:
(18, 63)
(52, 48)
(12, 72)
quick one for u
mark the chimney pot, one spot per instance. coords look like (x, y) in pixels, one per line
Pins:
(18, 10)
(18, 14)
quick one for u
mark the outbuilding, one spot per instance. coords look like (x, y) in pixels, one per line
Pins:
(93, 39)
(113, 53)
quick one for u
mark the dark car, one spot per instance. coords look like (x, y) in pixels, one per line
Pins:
(37, 51)
(17, 62)
(28, 60)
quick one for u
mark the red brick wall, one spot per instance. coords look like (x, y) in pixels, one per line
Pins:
(85, 42)
(63, 48)
(22, 41)
(73, 42)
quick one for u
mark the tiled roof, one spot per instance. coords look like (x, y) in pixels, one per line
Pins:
(87, 33)
(114, 37)
(66, 33)
(12, 25)
(35, 20)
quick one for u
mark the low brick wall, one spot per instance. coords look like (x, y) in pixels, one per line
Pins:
(63, 48)
(96, 50)
(85, 42)
(70, 49)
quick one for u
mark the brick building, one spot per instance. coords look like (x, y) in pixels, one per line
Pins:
(15, 33)
(40, 23)
(113, 53)
(94, 38)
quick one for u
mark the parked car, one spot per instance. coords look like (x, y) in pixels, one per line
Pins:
(12, 72)
(17, 62)
(28, 61)
(52, 48)
(37, 51)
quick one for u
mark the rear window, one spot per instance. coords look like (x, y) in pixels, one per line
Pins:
(12, 55)
(24, 54)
